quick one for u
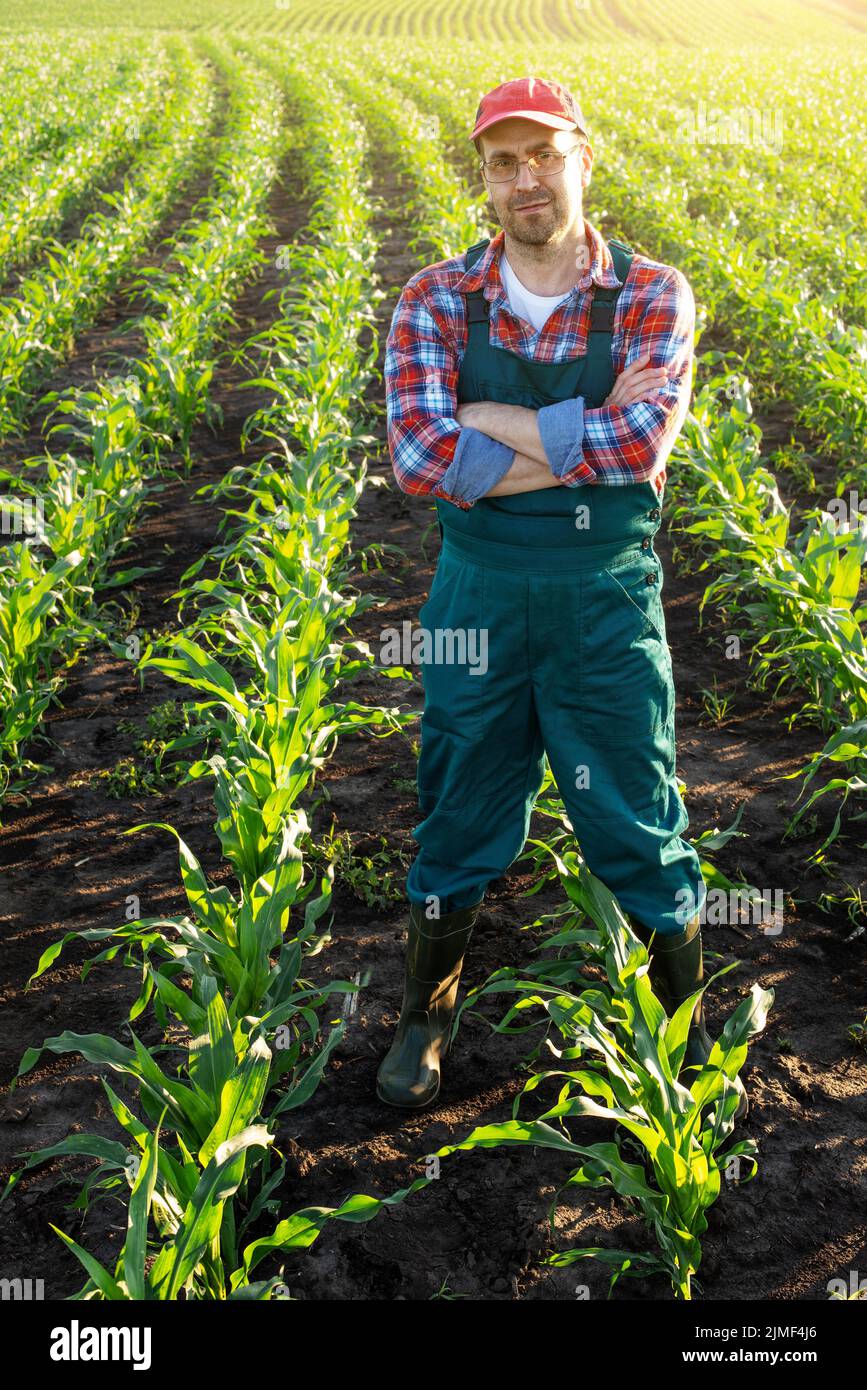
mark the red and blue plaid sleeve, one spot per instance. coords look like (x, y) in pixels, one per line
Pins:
(421, 373)
(630, 444)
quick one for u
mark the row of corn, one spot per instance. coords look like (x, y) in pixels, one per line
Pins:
(200, 1168)
(85, 130)
(78, 506)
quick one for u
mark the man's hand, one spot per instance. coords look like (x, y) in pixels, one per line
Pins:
(637, 382)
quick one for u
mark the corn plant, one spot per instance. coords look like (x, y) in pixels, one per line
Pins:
(795, 600)
(621, 1059)
(38, 325)
(30, 647)
(192, 1205)
(277, 731)
(291, 514)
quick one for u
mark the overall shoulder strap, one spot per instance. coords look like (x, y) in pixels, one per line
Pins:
(477, 305)
(472, 253)
(604, 301)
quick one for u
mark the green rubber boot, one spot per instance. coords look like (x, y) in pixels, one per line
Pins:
(409, 1075)
(676, 972)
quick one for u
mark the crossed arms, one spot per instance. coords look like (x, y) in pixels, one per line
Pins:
(518, 427)
(485, 448)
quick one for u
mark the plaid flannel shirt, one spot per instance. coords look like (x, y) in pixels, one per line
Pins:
(431, 453)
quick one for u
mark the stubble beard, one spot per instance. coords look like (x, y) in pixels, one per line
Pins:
(535, 230)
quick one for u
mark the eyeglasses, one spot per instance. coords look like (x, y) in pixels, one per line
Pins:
(502, 170)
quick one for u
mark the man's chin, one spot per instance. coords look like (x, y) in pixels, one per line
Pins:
(532, 235)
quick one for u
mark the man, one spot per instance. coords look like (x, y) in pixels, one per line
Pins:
(535, 387)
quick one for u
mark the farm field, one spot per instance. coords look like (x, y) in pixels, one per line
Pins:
(208, 763)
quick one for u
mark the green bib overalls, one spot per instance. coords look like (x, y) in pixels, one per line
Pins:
(558, 594)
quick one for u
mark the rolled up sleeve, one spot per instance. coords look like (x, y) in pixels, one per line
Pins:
(561, 427)
(478, 464)
(431, 453)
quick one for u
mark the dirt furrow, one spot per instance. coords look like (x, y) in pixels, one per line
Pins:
(65, 862)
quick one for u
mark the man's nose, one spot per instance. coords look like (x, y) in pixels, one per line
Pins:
(526, 180)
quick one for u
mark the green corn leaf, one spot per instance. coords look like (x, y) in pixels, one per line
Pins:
(201, 1222)
(99, 1275)
(300, 1230)
(135, 1246)
(241, 1099)
(179, 1002)
(91, 1145)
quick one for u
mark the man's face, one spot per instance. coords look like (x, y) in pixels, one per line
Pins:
(535, 208)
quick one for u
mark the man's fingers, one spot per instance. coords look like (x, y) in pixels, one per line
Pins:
(640, 368)
(650, 380)
(642, 393)
(638, 381)
(628, 395)
(646, 375)
(637, 365)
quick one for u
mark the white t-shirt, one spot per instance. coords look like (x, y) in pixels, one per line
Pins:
(535, 308)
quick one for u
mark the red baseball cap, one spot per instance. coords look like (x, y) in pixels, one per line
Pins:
(549, 103)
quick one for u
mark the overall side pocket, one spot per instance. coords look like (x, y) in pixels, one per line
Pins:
(639, 586)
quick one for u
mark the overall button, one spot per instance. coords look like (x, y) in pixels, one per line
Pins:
(655, 514)
(651, 579)
(645, 543)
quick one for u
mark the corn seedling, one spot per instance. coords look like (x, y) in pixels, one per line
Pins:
(629, 1058)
